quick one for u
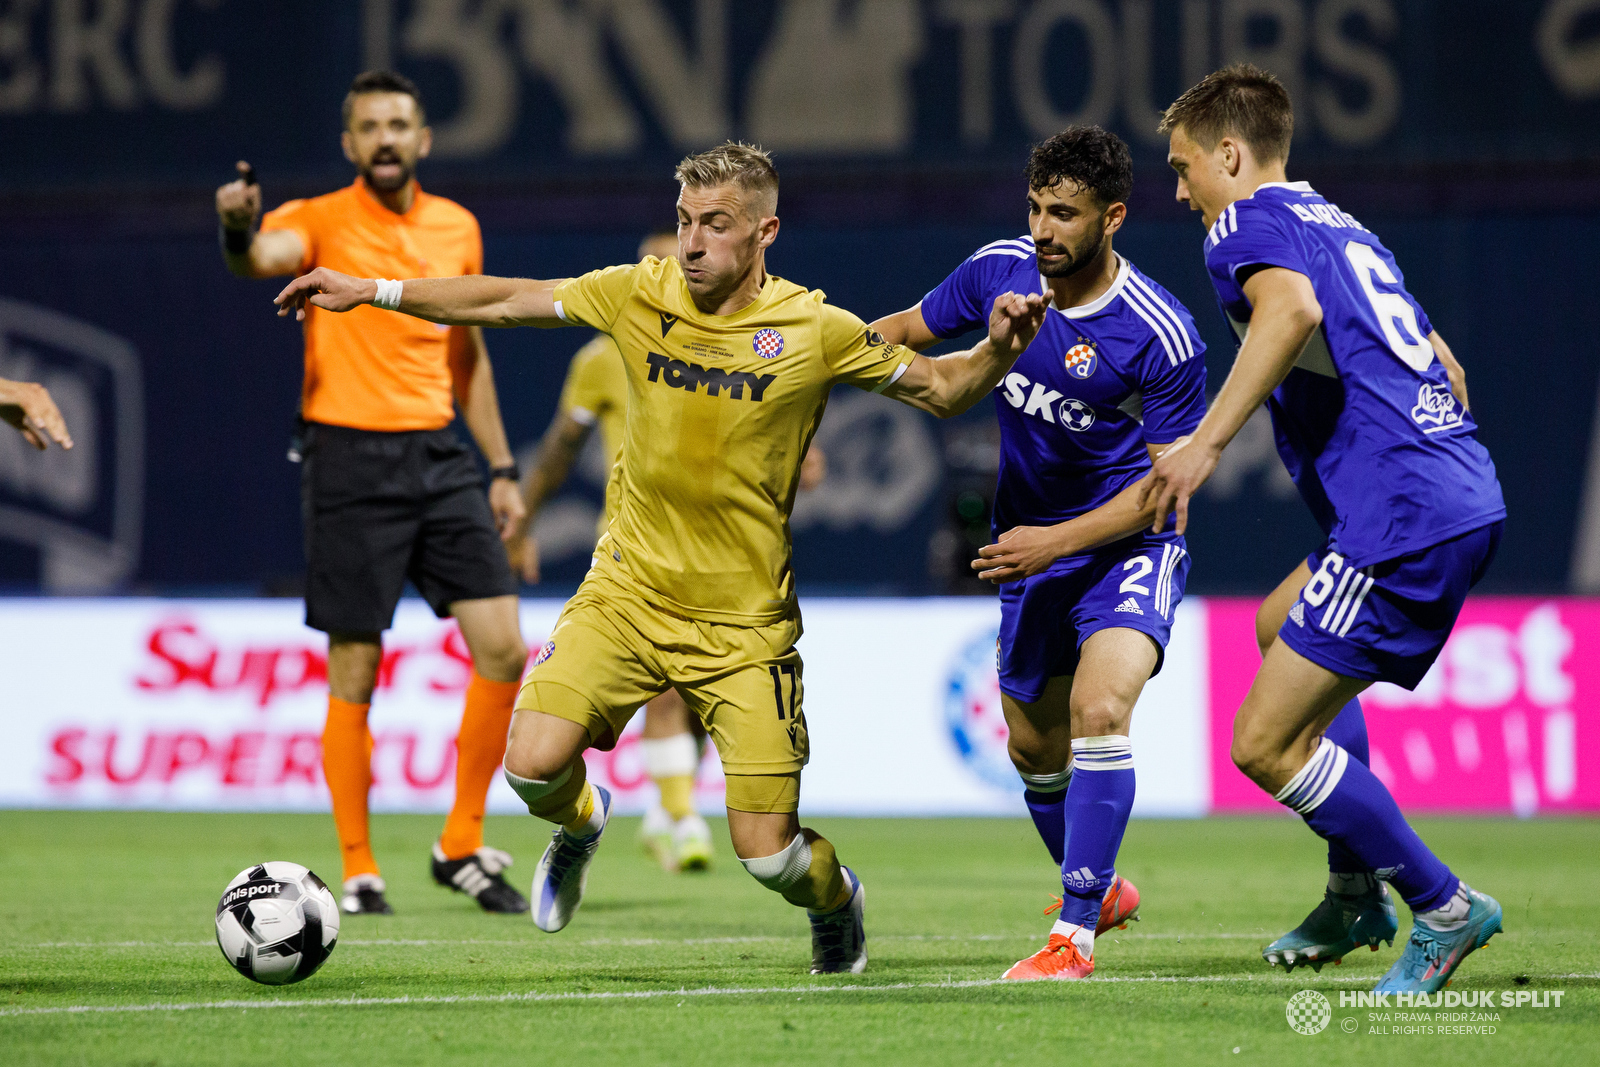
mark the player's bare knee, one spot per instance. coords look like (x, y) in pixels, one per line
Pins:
(502, 661)
(534, 753)
(1033, 756)
(1101, 717)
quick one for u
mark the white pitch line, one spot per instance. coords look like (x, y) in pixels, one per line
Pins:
(637, 942)
(657, 994)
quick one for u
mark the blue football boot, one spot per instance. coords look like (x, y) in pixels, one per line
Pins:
(1335, 927)
(563, 871)
(1432, 956)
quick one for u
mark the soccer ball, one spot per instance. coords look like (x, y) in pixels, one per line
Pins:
(277, 923)
(1076, 415)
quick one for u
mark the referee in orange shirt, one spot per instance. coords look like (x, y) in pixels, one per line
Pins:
(388, 491)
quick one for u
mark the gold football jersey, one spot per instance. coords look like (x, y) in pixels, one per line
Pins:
(596, 394)
(720, 412)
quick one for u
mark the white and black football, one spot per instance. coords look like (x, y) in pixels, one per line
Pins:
(277, 923)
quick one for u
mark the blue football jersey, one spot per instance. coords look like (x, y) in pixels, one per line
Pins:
(1381, 452)
(1097, 383)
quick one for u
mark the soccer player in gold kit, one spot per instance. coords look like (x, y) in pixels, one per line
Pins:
(729, 369)
(594, 396)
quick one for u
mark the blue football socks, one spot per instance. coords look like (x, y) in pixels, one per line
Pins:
(1349, 731)
(1344, 802)
(1098, 802)
(1046, 797)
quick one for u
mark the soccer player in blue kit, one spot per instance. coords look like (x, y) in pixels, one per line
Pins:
(1087, 596)
(1368, 407)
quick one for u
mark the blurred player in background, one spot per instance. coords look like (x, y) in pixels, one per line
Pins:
(389, 491)
(28, 407)
(729, 369)
(595, 394)
(1368, 406)
(1087, 594)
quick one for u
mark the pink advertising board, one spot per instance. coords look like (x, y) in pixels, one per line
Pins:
(1507, 721)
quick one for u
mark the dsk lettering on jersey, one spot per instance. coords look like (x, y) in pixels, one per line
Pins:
(691, 376)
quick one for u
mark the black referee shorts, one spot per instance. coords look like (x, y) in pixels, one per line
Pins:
(383, 507)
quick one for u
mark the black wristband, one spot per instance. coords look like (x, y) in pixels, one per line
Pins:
(511, 471)
(235, 242)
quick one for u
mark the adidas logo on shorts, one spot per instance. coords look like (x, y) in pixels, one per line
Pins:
(1129, 605)
(1298, 613)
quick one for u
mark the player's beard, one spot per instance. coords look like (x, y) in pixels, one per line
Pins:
(387, 185)
(1087, 251)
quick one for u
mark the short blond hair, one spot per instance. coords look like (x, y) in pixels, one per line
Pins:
(734, 163)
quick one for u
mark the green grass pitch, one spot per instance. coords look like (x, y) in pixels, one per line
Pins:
(114, 911)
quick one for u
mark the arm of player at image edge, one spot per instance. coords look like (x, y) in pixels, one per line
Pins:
(29, 408)
(1452, 368)
(471, 300)
(559, 449)
(1024, 551)
(948, 385)
(247, 252)
(1284, 316)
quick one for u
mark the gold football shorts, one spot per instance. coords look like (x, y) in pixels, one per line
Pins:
(612, 651)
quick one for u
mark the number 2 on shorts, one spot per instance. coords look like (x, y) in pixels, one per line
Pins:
(1141, 567)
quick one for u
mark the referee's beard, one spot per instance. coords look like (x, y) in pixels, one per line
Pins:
(1087, 251)
(398, 179)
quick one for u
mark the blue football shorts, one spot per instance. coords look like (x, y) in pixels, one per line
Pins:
(1134, 583)
(1387, 622)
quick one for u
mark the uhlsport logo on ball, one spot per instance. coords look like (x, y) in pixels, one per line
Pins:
(973, 714)
(1308, 1012)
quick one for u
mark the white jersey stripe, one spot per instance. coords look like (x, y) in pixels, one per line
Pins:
(1172, 356)
(1018, 253)
(1161, 575)
(1355, 606)
(1330, 618)
(1164, 309)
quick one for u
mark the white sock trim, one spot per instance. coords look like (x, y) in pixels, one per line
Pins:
(779, 872)
(1316, 780)
(1047, 783)
(1109, 752)
(669, 757)
(531, 789)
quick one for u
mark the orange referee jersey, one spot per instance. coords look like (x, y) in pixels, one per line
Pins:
(371, 369)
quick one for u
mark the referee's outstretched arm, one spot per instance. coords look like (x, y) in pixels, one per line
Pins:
(474, 300)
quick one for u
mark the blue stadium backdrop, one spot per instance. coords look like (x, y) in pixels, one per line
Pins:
(1461, 131)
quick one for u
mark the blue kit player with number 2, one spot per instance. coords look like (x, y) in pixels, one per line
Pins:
(1087, 597)
(1369, 408)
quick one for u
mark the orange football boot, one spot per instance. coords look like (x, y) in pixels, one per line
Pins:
(1118, 907)
(1059, 959)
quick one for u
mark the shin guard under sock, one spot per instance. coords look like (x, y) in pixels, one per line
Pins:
(1343, 801)
(1098, 803)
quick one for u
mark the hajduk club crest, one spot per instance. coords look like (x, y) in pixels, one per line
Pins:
(768, 343)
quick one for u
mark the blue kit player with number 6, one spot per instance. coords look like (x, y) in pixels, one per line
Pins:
(1087, 597)
(1370, 412)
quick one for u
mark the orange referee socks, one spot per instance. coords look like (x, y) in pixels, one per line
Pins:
(480, 747)
(347, 765)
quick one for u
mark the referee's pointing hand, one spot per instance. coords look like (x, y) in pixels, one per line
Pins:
(327, 289)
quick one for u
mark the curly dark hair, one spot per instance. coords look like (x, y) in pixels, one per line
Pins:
(1087, 157)
(382, 81)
